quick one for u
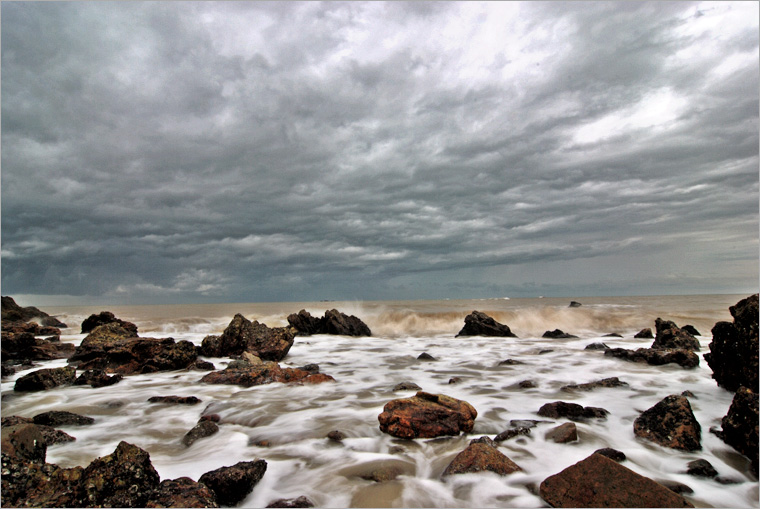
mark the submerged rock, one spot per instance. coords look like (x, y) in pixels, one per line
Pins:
(740, 425)
(572, 411)
(557, 334)
(333, 322)
(684, 358)
(512, 433)
(232, 484)
(248, 375)
(204, 428)
(606, 382)
(701, 468)
(733, 355)
(407, 386)
(480, 324)
(479, 456)
(596, 346)
(670, 336)
(175, 400)
(670, 423)
(426, 416)
(44, 379)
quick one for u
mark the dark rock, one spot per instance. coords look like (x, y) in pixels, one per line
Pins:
(292, 502)
(511, 433)
(596, 346)
(563, 433)
(336, 436)
(598, 481)
(33, 328)
(21, 346)
(210, 417)
(203, 429)
(548, 350)
(676, 487)
(557, 334)
(175, 400)
(644, 334)
(607, 382)
(612, 454)
(306, 324)
(670, 423)
(478, 457)
(106, 317)
(200, 365)
(311, 368)
(62, 418)
(13, 312)
(670, 336)
(454, 380)
(407, 386)
(527, 384)
(524, 423)
(39, 484)
(510, 362)
(105, 349)
(44, 379)
(382, 474)
(242, 335)
(334, 322)
(97, 378)
(426, 416)
(612, 335)
(248, 375)
(8, 370)
(50, 434)
(701, 468)
(740, 425)
(232, 484)
(733, 355)
(574, 304)
(480, 324)
(23, 442)
(572, 411)
(684, 358)
(424, 356)
(691, 330)
(182, 492)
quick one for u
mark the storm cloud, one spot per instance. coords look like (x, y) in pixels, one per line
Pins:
(264, 151)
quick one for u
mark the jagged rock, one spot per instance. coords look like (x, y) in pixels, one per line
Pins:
(512, 433)
(575, 304)
(39, 484)
(426, 416)
(306, 324)
(182, 492)
(204, 428)
(691, 330)
(480, 456)
(684, 358)
(563, 433)
(701, 468)
(23, 442)
(21, 346)
(44, 379)
(248, 375)
(612, 454)
(480, 324)
(13, 312)
(407, 386)
(670, 336)
(242, 335)
(740, 425)
(334, 322)
(292, 502)
(644, 334)
(596, 346)
(670, 423)
(62, 418)
(175, 400)
(97, 378)
(33, 328)
(557, 334)
(105, 317)
(572, 411)
(50, 434)
(733, 355)
(598, 481)
(232, 484)
(606, 382)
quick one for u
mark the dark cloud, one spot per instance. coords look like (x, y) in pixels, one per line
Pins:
(175, 151)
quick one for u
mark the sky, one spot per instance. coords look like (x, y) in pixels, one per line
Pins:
(179, 152)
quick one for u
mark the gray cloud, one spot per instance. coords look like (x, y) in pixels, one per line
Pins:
(164, 151)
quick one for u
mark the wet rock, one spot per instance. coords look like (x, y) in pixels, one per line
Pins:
(311, 368)
(62, 418)
(572, 411)
(13, 312)
(670, 336)
(701, 468)
(106, 317)
(512, 433)
(684, 358)
(8, 370)
(612, 335)
(232, 484)
(740, 425)
(563, 433)
(670, 423)
(557, 334)
(23, 442)
(733, 355)
(612, 454)
(340, 324)
(383, 474)
(675, 486)
(44, 379)
(527, 384)
(426, 416)
(596, 346)
(97, 378)
(510, 362)
(336, 436)
(204, 428)
(32, 328)
(305, 324)
(39, 484)
(480, 324)
(50, 434)
(691, 330)
(407, 386)
(606, 382)
(24, 346)
(175, 400)
(598, 481)
(130, 355)
(248, 375)
(575, 304)
(424, 356)
(242, 335)
(182, 492)
(644, 334)
(454, 380)
(480, 456)
(200, 365)
(301, 501)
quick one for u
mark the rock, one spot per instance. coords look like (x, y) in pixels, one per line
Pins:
(596, 346)
(407, 386)
(22, 346)
(675, 486)
(701, 468)
(612, 454)
(424, 356)
(478, 457)
(612, 335)
(232, 484)
(175, 400)
(33, 328)
(248, 375)
(670, 423)
(574, 304)
(572, 411)
(292, 502)
(130, 355)
(511, 433)
(691, 330)
(182, 492)
(23, 442)
(44, 379)
(598, 481)
(200, 365)
(740, 425)
(733, 355)
(480, 324)
(97, 378)
(336, 436)
(557, 334)
(13, 312)
(644, 334)
(334, 322)
(204, 428)
(62, 418)
(49, 434)
(670, 336)
(8, 370)
(305, 324)
(106, 317)
(606, 382)
(510, 362)
(39, 484)
(426, 416)
(684, 358)
(527, 384)
(454, 380)
(311, 368)
(563, 433)
(383, 474)
(242, 335)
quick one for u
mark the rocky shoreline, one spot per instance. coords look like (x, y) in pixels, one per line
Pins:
(113, 349)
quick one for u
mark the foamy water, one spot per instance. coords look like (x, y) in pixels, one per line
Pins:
(295, 420)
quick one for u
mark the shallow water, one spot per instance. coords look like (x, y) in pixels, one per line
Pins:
(295, 420)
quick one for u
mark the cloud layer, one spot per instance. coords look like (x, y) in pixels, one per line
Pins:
(234, 151)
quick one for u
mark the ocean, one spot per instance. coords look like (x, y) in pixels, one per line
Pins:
(287, 425)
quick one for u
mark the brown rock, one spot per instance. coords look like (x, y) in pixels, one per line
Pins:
(672, 337)
(292, 502)
(242, 335)
(557, 334)
(13, 312)
(204, 428)
(44, 379)
(129, 355)
(670, 423)
(62, 418)
(480, 324)
(340, 324)
(740, 425)
(97, 378)
(733, 355)
(655, 357)
(644, 334)
(175, 400)
(23, 442)
(182, 492)
(612, 454)
(480, 456)
(248, 375)
(563, 433)
(106, 317)
(305, 324)
(426, 416)
(511, 433)
(598, 481)
(572, 411)
(607, 382)
(232, 484)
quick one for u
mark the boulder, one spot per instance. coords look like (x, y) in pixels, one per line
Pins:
(670, 336)
(105, 317)
(479, 456)
(572, 411)
(480, 324)
(333, 322)
(248, 375)
(292, 502)
(424, 356)
(62, 418)
(426, 416)
(575, 304)
(557, 334)
(644, 334)
(22, 346)
(598, 481)
(13, 312)
(740, 425)
(407, 386)
(733, 355)
(204, 428)
(684, 358)
(701, 468)
(39, 484)
(182, 492)
(305, 324)
(97, 378)
(23, 442)
(44, 379)
(670, 423)
(130, 355)
(606, 382)
(563, 433)
(336, 436)
(31, 327)
(232, 484)
(175, 400)
(242, 335)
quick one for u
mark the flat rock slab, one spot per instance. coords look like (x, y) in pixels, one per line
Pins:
(427, 416)
(598, 481)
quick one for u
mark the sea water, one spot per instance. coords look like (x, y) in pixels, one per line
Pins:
(287, 425)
